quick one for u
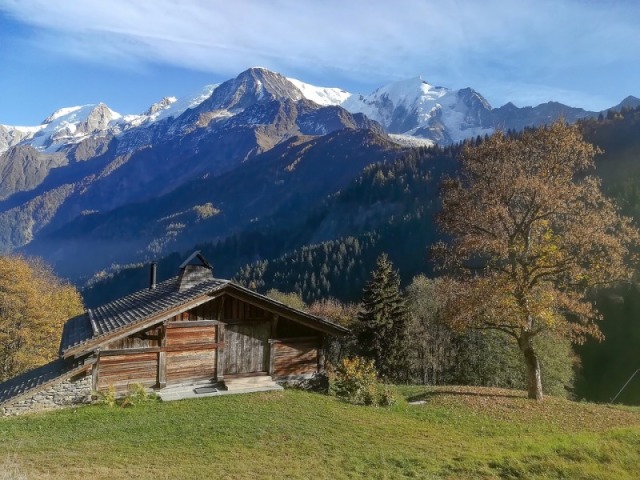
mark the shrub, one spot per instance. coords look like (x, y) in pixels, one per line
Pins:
(107, 397)
(136, 395)
(356, 381)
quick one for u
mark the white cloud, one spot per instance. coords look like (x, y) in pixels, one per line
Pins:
(455, 43)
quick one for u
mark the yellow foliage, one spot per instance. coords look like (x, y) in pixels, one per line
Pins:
(34, 304)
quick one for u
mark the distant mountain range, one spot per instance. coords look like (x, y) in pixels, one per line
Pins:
(90, 187)
(410, 107)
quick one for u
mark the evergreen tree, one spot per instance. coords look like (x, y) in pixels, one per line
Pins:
(383, 319)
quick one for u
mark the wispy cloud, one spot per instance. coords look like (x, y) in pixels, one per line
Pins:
(493, 45)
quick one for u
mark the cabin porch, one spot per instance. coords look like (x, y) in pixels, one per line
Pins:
(253, 384)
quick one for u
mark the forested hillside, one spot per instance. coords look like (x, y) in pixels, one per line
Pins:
(390, 208)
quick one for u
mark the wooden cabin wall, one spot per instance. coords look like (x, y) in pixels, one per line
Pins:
(234, 309)
(191, 348)
(127, 369)
(182, 351)
(148, 339)
(290, 329)
(206, 311)
(246, 347)
(295, 357)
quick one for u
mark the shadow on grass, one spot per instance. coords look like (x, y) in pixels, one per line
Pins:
(426, 396)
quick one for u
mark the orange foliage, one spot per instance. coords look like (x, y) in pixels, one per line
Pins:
(531, 234)
(34, 304)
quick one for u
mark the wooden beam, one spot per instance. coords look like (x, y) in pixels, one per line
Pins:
(220, 351)
(321, 358)
(95, 368)
(295, 340)
(169, 348)
(162, 357)
(272, 349)
(162, 369)
(192, 323)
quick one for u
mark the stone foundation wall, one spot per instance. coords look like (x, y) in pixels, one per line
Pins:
(72, 391)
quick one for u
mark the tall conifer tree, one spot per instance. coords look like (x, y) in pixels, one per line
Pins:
(383, 321)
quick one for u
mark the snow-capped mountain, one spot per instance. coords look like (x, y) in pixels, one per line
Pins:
(85, 161)
(414, 107)
(412, 111)
(70, 125)
(321, 95)
(63, 179)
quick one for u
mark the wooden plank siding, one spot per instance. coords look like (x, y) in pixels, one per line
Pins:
(223, 308)
(191, 335)
(191, 350)
(235, 309)
(225, 336)
(146, 339)
(127, 369)
(193, 366)
(246, 347)
(206, 311)
(295, 356)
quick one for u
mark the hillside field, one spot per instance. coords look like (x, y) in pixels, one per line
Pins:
(459, 432)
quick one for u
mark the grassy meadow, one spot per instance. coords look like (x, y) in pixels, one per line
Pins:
(459, 432)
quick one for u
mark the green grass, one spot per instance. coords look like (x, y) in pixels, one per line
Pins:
(457, 433)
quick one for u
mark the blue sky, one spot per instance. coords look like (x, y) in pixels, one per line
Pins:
(131, 53)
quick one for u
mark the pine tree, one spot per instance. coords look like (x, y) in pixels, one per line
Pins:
(383, 319)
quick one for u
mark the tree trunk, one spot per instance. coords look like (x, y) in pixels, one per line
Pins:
(534, 379)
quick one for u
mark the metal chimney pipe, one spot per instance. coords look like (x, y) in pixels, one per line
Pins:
(152, 275)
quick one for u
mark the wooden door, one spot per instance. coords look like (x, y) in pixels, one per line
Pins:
(246, 348)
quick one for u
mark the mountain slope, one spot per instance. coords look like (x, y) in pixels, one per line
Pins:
(243, 117)
(277, 186)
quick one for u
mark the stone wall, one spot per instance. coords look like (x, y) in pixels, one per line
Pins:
(71, 391)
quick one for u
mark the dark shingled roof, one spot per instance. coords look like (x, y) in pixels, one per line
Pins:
(38, 377)
(122, 312)
(76, 330)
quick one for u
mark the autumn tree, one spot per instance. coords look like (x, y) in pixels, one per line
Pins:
(530, 234)
(34, 304)
(383, 321)
(291, 299)
(344, 314)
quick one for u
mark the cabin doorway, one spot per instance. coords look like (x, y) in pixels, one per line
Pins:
(246, 348)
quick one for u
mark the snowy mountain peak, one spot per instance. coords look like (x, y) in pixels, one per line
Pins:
(415, 107)
(60, 113)
(250, 87)
(412, 107)
(321, 95)
(161, 105)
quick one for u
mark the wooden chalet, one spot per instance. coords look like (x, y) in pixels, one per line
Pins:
(192, 330)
